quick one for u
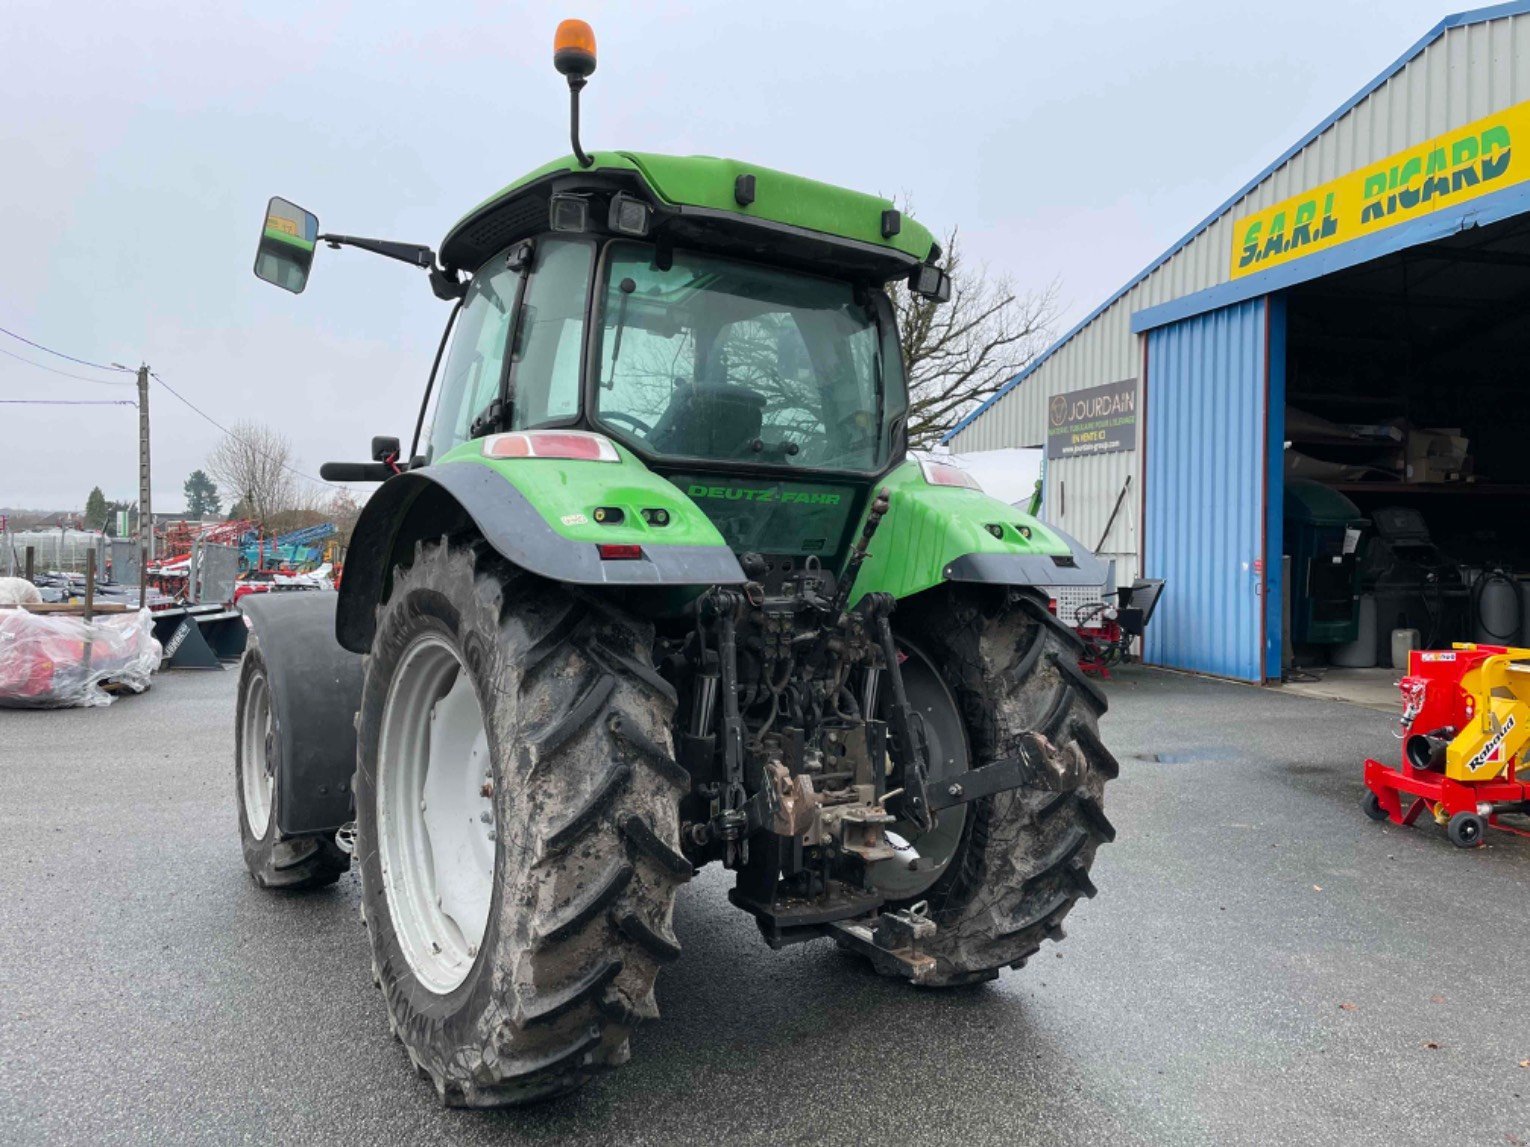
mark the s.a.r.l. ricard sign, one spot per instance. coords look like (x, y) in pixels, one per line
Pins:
(1449, 169)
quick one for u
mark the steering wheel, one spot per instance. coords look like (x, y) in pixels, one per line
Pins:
(622, 416)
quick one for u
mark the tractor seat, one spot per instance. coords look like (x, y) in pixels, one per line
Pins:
(709, 420)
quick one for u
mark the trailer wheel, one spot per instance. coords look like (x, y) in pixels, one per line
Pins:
(1370, 803)
(517, 823)
(1024, 856)
(1465, 830)
(274, 860)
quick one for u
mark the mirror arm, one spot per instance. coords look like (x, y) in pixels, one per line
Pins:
(415, 253)
(446, 285)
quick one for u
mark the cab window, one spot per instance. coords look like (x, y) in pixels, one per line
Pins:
(544, 375)
(711, 358)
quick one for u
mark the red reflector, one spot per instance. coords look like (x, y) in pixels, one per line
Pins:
(1052, 606)
(620, 553)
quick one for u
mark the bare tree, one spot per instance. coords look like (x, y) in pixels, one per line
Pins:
(251, 464)
(960, 352)
(342, 509)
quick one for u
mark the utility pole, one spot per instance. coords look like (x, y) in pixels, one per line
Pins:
(145, 515)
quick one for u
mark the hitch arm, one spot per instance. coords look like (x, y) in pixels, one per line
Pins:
(908, 733)
(731, 824)
(1038, 762)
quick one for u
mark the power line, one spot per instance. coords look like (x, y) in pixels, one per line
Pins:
(67, 402)
(61, 354)
(237, 438)
(63, 373)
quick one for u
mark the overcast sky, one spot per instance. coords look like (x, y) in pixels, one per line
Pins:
(141, 140)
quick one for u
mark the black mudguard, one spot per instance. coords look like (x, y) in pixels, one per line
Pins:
(315, 692)
(437, 500)
(1082, 567)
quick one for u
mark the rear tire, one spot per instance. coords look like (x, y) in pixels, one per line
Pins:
(274, 860)
(1025, 855)
(1370, 804)
(585, 813)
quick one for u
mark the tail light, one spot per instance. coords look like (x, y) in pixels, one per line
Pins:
(940, 474)
(618, 552)
(569, 445)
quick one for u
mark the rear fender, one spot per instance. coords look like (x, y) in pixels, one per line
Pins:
(932, 534)
(315, 689)
(541, 515)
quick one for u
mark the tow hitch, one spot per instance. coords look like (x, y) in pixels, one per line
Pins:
(891, 941)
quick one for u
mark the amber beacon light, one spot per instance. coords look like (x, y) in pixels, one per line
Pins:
(574, 48)
(574, 57)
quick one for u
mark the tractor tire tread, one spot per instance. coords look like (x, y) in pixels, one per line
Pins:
(660, 946)
(1068, 667)
(641, 836)
(628, 734)
(560, 982)
(580, 910)
(1025, 856)
(600, 797)
(1101, 759)
(550, 1005)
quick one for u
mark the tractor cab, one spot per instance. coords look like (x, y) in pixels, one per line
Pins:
(725, 323)
(769, 389)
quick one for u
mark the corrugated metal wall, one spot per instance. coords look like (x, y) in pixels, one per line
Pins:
(1466, 73)
(1205, 513)
(1080, 494)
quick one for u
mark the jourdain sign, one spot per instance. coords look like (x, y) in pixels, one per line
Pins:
(1449, 169)
(1100, 420)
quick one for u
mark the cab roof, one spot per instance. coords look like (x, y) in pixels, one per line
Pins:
(790, 219)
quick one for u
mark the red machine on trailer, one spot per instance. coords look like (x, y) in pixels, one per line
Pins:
(1465, 726)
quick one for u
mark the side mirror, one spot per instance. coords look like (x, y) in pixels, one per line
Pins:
(384, 448)
(931, 283)
(287, 243)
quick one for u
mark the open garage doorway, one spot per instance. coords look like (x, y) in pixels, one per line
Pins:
(1408, 459)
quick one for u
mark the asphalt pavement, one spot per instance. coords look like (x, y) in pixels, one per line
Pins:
(1262, 965)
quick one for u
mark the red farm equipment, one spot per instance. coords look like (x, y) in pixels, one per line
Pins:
(1465, 724)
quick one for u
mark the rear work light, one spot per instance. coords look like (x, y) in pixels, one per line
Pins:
(570, 445)
(940, 474)
(618, 552)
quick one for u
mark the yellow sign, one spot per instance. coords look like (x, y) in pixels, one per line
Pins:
(1453, 168)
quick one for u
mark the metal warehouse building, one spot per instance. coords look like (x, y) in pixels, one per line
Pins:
(1348, 336)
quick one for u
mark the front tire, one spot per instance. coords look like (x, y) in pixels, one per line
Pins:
(274, 860)
(1025, 855)
(580, 794)
(1466, 830)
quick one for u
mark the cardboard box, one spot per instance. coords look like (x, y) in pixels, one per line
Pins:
(1437, 455)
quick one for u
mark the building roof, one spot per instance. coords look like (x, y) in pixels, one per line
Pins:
(1459, 19)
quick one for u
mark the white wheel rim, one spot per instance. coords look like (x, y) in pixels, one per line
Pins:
(255, 762)
(435, 826)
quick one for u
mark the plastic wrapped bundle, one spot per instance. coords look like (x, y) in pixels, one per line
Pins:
(54, 661)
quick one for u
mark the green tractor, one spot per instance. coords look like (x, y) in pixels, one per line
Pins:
(657, 586)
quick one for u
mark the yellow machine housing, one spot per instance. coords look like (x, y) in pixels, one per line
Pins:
(1499, 725)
